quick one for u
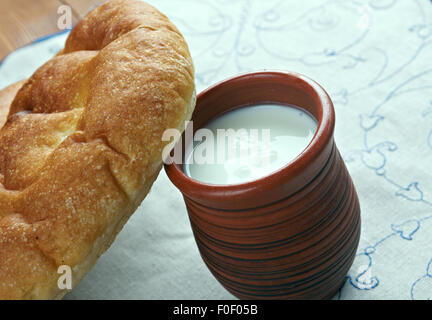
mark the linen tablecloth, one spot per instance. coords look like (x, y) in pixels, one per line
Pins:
(374, 58)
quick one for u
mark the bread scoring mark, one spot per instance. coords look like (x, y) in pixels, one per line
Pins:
(27, 140)
(61, 84)
(105, 140)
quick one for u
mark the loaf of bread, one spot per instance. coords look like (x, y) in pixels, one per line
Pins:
(81, 143)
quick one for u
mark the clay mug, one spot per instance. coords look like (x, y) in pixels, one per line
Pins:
(292, 234)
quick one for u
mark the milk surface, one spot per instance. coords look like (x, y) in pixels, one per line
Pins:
(248, 143)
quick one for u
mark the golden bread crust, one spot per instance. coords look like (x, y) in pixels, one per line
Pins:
(82, 143)
(6, 97)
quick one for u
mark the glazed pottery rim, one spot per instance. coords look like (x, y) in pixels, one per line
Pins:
(321, 139)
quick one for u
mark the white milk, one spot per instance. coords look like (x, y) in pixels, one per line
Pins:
(270, 137)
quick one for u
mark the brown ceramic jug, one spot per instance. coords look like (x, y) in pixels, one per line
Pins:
(292, 234)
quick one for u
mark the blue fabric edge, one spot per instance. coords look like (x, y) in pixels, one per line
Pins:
(38, 40)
